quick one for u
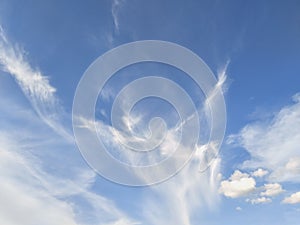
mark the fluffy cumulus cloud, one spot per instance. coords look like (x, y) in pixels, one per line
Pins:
(293, 165)
(272, 190)
(293, 199)
(260, 173)
(274, 144)
(242, 184)
(238, 185)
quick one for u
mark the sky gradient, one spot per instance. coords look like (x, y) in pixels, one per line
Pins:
(253, 49)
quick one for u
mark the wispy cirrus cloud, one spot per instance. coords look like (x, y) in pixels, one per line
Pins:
(194, 189)
(116, 5)
(192, 193)
(185, 195)
(259, 200)
(38, 196)
(34, 84)
(31, 191)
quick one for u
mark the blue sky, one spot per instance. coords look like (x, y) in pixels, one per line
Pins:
(253, 49)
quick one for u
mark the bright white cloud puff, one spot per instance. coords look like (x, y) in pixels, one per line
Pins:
(293, 199)
(238, 185)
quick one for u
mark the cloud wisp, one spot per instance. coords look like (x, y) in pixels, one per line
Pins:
(185, 195)
(193, 189)
(116, 5)
(37, 194)
(189, 187)
(34, 84)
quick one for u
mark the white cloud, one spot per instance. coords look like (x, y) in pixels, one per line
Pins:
(259, 200)
(293, 165)
(222, 85)
(195, 186)
(222, 77)
(238, 185)
(47, 192)
(238, 208)
(274, 144)
(242, 184)
(22, 197)
(193, 189)
(184, 195)
(293, 199)
(272, 190)
(34, 84)
(37, 197)
(260, 173)
(210, 151)
(32, 194)
(107, 94)
(116, 5)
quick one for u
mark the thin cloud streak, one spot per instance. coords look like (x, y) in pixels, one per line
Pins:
(185, 195)
(41, 195)
(201, 191)
(197, 193)
(34, 84)
(116, 5)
